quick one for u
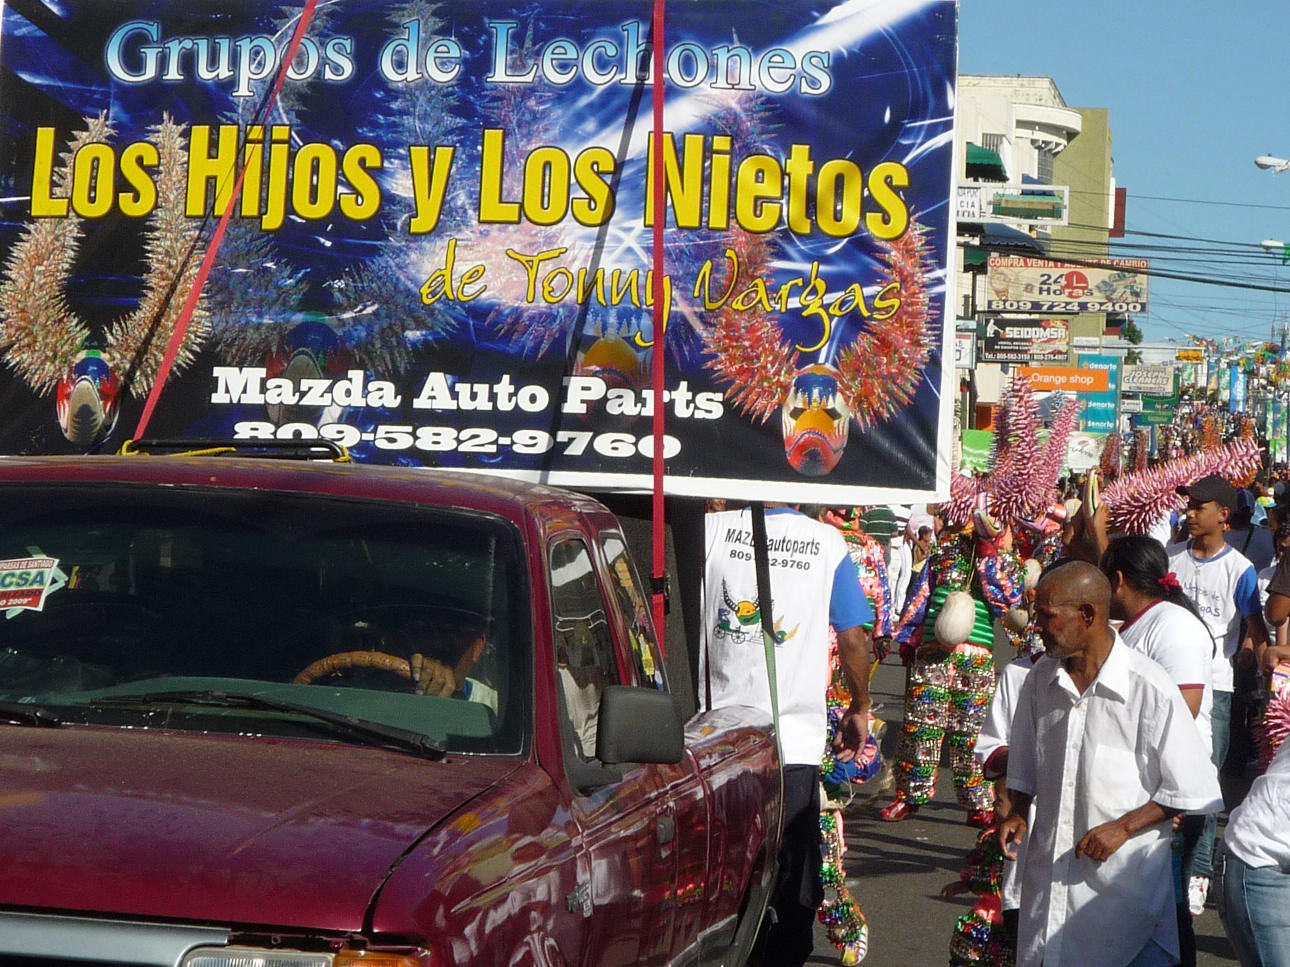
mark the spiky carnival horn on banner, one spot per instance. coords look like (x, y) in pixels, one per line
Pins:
(47, 343)
(1136, 501)
(874, 377)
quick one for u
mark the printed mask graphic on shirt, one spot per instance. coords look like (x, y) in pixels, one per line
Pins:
(740, 620)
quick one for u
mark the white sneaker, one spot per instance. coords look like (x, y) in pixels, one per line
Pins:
(1197, 892)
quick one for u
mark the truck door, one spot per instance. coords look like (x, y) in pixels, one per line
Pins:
(628, 830)
(687, 811)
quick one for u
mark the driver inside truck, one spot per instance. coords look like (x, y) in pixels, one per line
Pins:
(442, 654)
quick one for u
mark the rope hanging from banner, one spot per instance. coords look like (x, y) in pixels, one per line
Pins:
(208, 261)
(659, 569)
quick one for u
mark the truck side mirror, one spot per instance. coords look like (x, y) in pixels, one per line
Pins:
(639, 725)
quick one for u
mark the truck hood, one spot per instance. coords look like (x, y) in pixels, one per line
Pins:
(219, 829)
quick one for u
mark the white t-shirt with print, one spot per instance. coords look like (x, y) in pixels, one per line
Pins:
(804, 556)
(1177, 641)
(1224, 589)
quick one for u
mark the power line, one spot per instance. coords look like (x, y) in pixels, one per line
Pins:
(1184, 201)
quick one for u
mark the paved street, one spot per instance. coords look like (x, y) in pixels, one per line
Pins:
(896, 870)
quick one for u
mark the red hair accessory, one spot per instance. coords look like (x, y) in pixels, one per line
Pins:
(1170, 582)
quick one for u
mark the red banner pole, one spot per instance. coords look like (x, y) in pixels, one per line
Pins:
(208, 261)
(660, 558)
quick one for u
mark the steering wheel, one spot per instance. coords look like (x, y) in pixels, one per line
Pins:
(344, 660)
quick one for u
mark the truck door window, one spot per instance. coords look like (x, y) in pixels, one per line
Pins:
(583, 641)
(635, 608)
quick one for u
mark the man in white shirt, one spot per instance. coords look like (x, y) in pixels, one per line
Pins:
(1256, 882)
(814, 585)
(1105, 749)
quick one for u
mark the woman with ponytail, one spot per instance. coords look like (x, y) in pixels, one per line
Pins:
(1161, 622)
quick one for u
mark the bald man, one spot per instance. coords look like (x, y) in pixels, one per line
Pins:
(1105, 747)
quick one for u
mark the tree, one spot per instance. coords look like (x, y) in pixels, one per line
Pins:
(1132, 335)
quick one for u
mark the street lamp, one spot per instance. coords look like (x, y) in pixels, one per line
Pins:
(1269, 163)
(1277, 247)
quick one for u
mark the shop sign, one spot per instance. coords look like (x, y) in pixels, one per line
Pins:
(1024, 340)
(1069, 379)
(1151, 380)
(1022, 204)
(1099, 412)
(1032, 285)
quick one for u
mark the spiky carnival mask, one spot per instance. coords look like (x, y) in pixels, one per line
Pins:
(815, 421)
(87, 399)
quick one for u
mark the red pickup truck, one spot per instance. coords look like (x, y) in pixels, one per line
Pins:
(265, 712)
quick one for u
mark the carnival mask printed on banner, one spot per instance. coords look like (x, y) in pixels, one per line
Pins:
(311, 350)
(614, 361)
(87, 399)
(816, 421)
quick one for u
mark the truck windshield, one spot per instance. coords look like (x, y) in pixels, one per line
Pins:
(122, 605)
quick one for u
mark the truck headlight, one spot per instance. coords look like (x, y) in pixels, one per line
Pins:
(255, 957)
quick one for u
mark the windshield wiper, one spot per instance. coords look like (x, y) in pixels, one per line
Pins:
(19, 713)
(374, 733)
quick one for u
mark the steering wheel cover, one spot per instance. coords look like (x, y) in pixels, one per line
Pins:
(343, 660)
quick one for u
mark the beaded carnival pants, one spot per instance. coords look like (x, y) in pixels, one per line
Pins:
(840, 913)
(948, 696)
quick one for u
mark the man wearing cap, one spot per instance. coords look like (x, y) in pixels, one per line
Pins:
(1223, 584)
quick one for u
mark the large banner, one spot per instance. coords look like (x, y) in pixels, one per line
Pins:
(1020, 284)
(1236, 392)
(441, 250)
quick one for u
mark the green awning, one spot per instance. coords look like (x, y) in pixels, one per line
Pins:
(974, 257)
(985, 164)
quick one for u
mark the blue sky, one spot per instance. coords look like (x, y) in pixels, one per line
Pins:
(1195, 91)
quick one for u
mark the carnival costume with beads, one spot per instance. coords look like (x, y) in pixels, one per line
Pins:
(845, 923)
(951, 682)
(950, 685)
(840, 913)
(980, 939)
(871, 565)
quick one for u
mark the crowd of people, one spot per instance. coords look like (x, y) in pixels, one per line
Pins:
(1145, 667)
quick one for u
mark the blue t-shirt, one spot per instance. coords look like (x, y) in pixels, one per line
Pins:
(848, 607)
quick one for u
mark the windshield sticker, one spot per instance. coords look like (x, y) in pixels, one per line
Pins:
(25, 582)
